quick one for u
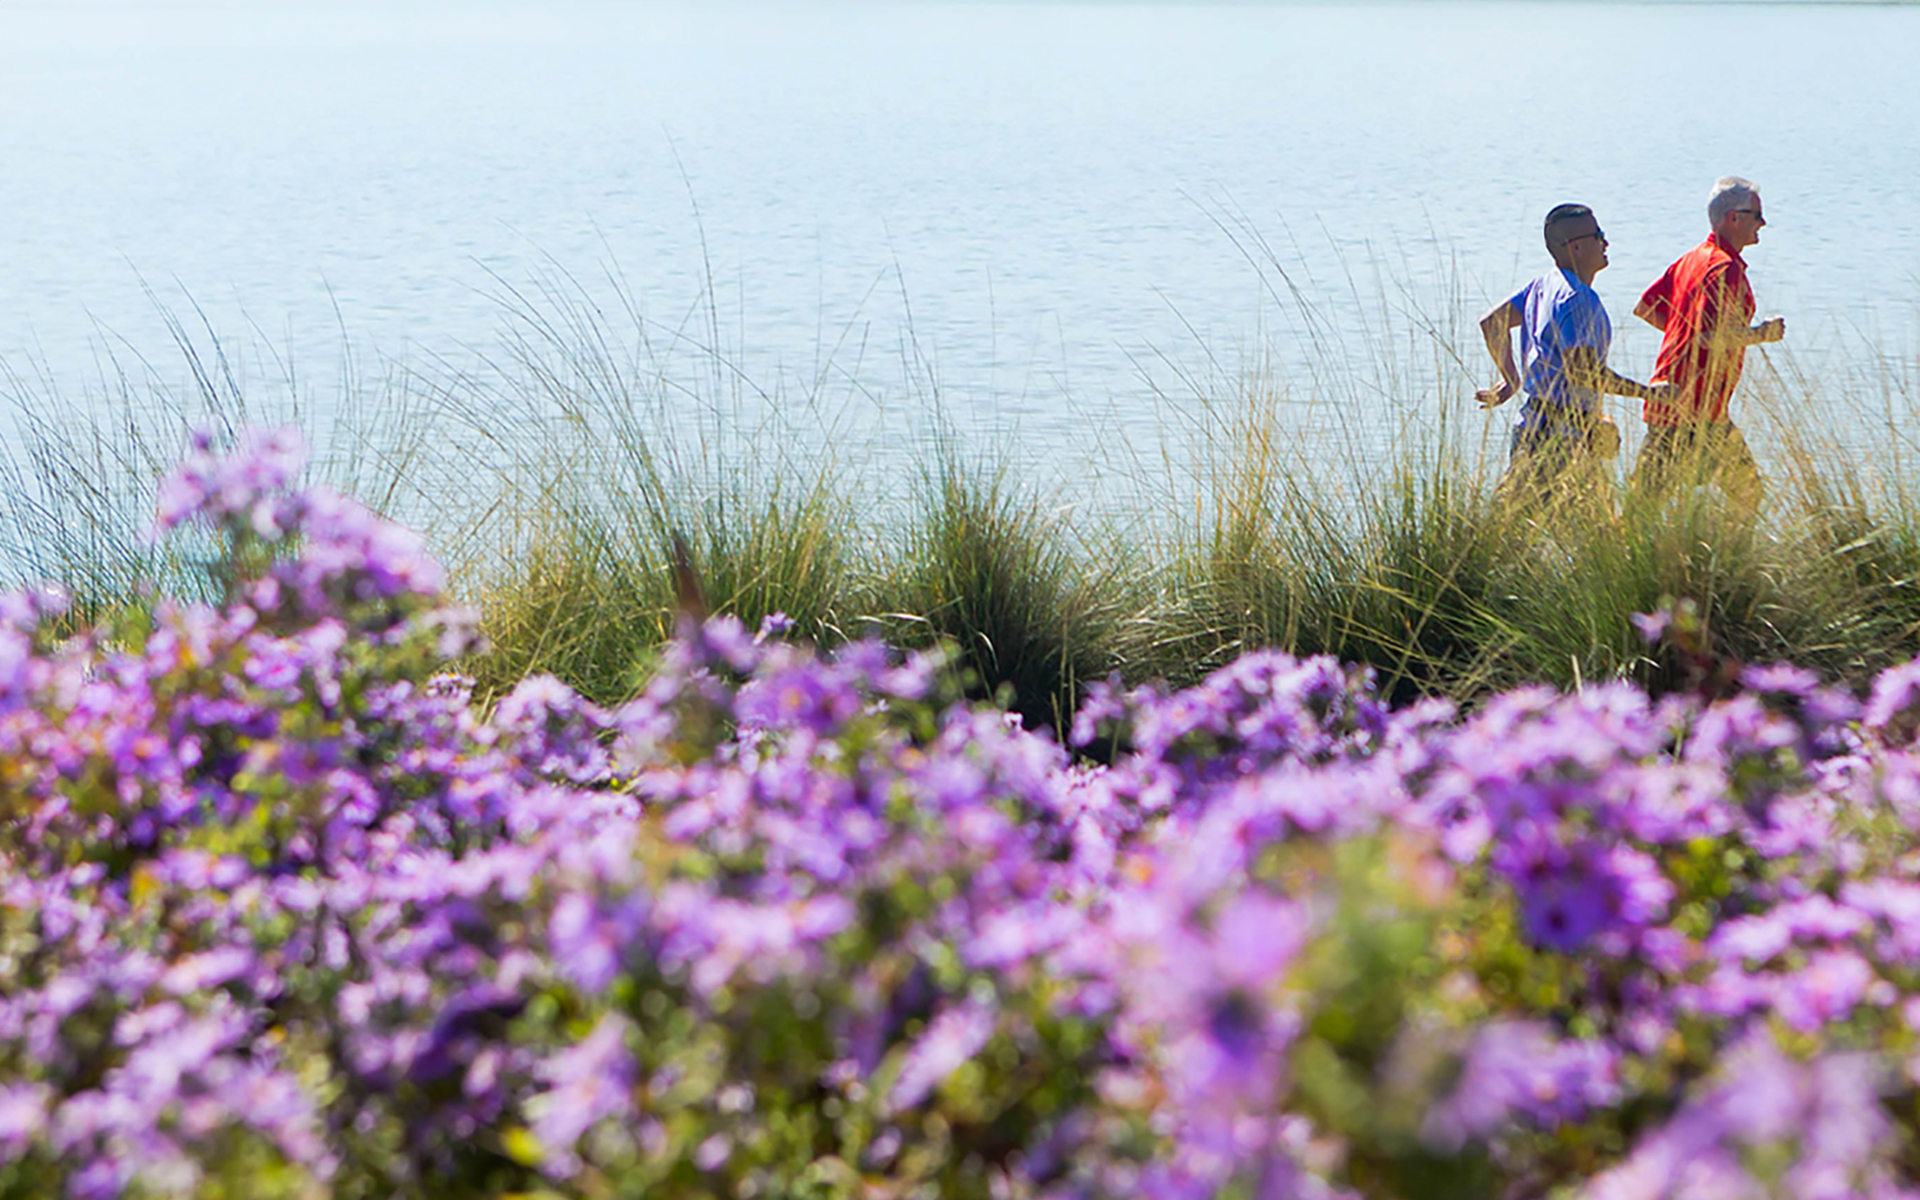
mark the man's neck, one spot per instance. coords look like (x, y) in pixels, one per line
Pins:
(1726, 243)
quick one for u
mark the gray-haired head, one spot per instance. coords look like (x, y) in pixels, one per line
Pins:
(1729, 192)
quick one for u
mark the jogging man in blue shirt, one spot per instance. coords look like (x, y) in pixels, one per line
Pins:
(1564, 337)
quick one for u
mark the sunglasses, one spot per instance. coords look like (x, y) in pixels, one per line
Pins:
(1752, 212)
(1598, 233)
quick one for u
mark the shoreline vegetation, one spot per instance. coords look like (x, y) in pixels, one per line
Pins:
(286, 914)
(557, 486)
(304, 893)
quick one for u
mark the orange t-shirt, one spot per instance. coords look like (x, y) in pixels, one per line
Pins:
(1706, 287)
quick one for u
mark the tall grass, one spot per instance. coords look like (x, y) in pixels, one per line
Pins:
(990, 567)
(608, 456)
(591, 590)
(559, 478)
(78, 474)
(1416, 565)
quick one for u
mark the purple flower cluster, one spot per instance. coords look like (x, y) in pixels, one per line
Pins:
(1771, 1125)
(283, 909)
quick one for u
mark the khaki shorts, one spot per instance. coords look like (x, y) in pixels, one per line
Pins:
(1558, 455)
(1692, 455)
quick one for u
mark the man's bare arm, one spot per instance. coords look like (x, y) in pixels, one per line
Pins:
(1736, 336)
(1497, 328)
(1584, 368)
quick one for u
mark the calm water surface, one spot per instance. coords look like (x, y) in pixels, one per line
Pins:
(1065, 221)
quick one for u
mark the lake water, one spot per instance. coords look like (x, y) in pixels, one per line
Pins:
(1060, 226)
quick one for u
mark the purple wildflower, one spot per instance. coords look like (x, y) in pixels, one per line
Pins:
(1570, 894)
(1652, 626)
(1893, 708)
(591, 941)
(586, 1084)
(23, 1116)
(1519, 1069)
(1780, 679)
(951, 1038)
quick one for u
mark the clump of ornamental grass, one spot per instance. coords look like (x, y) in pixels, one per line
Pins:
(1252, 562)
(1485, 595)
(1426, 600)
(1406, 565)
(611, 464)
(990, 567)
(591, 592)
(1856, 513)
(577, 601)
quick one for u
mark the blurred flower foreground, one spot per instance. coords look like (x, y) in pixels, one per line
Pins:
(283, 913)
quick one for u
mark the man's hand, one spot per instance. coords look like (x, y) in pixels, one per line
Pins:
(1659, 393)
(1772, 330)
(1497, 327)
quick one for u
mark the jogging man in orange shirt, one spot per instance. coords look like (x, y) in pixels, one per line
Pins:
(1704, 307)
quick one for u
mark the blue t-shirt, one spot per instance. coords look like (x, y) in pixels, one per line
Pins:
(1557, 313)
